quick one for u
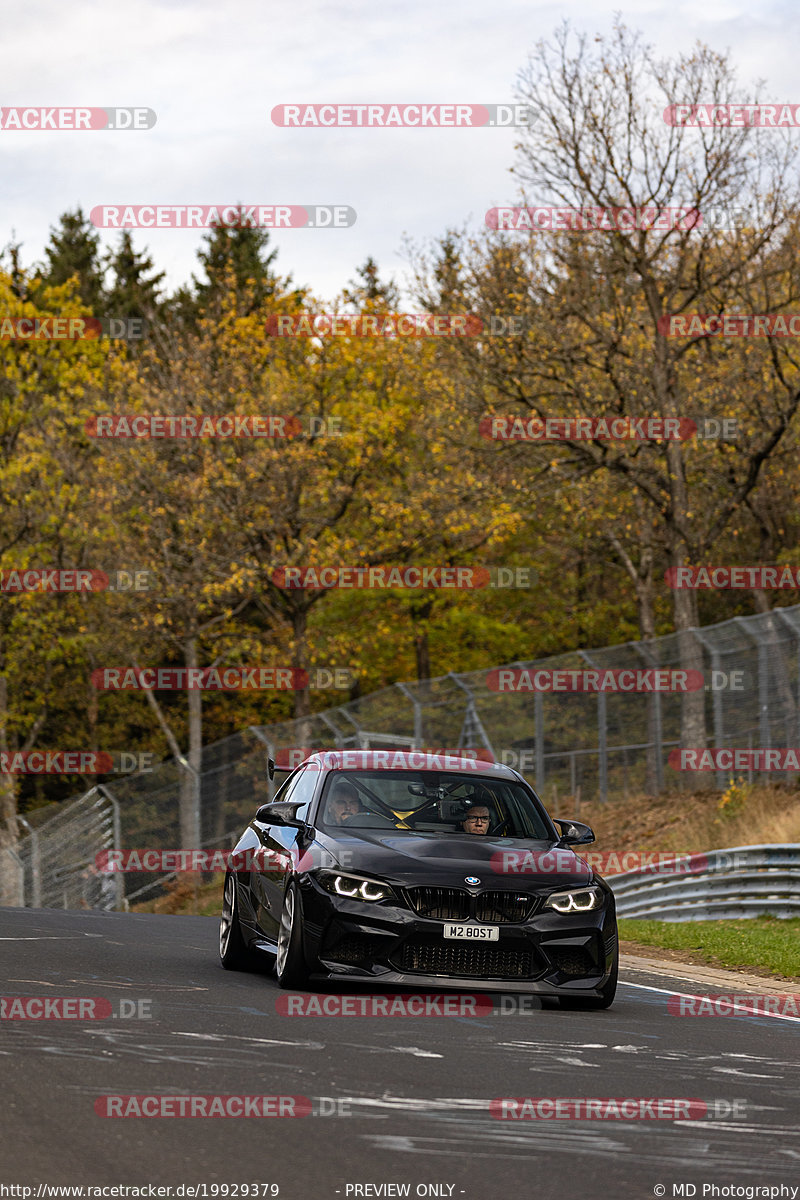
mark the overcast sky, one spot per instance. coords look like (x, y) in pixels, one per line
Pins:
(213, 72)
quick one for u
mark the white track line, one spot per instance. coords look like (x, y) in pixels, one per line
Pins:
(692, 996)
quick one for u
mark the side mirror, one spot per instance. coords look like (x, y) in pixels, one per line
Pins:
(574, 833)
(282, 813)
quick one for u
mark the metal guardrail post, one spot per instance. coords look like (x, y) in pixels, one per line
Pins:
(36, 867)
(602, 736)
(402, 687)
(119, 883)
(763, 682)
(471, 718)
(356, 725)
(716, 700)
(338, 736)
(655, 700)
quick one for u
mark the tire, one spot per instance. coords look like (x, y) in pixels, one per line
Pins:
(290, 963)
(233, 952)
(604, 1000)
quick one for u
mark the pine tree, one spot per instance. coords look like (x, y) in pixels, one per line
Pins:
(11, 260)
(73, 250)
(242, 253)
(369, 287)
(134, 290)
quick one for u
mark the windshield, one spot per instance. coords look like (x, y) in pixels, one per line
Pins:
(431, 802)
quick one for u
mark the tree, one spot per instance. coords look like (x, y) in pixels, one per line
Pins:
(595, 303)
(11, 259)
(135, 288)
(47, 392)
(368, 288)
(242, 253)
(73, 251)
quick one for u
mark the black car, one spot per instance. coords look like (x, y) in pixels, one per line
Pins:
(419, 870)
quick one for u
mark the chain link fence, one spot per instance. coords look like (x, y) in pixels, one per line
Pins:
(607, 744)
(57, 860)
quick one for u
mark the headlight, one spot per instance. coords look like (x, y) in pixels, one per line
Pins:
(583, 900)
(353, 887)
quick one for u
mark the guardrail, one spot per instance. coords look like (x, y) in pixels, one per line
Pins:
(741, 881)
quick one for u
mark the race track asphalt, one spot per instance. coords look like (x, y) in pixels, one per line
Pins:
(408, 1096)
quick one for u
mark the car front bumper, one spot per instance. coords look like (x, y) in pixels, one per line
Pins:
(550, 954)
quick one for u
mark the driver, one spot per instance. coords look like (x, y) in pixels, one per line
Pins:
(342, 803)
(476, 820)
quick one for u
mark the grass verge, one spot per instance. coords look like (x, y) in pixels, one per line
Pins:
(764, 945)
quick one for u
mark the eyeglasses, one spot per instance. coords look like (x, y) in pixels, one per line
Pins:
(476, 818)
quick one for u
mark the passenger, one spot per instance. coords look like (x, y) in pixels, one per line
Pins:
(477, 820)
(342, 803)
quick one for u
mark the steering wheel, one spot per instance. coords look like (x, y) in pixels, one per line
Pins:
(499, 827)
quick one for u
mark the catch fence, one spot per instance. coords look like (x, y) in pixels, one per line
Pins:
(567, 743)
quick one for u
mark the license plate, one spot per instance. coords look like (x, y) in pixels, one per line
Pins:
(473, 933)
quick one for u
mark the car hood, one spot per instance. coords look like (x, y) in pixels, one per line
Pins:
(434, 859)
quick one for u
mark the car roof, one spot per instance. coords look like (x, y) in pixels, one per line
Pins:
(407, 760)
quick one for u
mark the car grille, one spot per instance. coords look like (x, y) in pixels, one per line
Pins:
(497, 908)
(443, 904)
(467, 960)
(455, 904)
